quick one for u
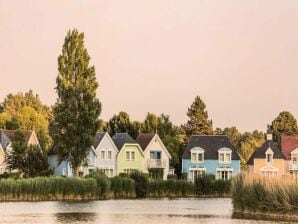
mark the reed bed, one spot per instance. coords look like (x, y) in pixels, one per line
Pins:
(170, 188)
(47, 188)
(257, 194)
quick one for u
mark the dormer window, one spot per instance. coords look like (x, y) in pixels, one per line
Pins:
(224, 155)
(269, 156)
(197, 155)
(294, 156)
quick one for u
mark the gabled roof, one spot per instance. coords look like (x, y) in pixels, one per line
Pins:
(144, 139)
(7, 136)
(288, 144)
(260, 152)
(211, 144)
(98, 137)
(123, 138)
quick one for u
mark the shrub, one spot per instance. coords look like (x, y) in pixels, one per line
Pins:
(141, 183)
(122, 187)
(203, 184)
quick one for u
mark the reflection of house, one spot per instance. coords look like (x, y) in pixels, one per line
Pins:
(130, 157)
(6, 139)
(268, 159)
(210, 154)
(156, 154)
(289, 147)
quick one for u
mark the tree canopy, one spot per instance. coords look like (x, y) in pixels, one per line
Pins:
(284, 123)
(76, 112)
(198, 122)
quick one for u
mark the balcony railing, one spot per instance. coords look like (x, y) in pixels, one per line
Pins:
(293, 166)
(156, 163)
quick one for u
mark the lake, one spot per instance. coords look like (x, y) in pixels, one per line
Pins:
(123, 211)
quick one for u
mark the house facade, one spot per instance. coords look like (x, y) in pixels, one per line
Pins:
(130, 156)
(6, 140)
(210, 154)
(102, 155)
(289, 147)
(156, 155)
(267, 160)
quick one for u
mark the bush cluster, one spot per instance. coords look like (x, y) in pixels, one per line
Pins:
(208, 185)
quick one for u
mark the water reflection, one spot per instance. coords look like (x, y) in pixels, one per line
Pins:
(186, 211)
(65, 218)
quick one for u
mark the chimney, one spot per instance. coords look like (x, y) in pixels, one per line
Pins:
(269, 133)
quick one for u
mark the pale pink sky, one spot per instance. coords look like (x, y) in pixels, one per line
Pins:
(239, 56)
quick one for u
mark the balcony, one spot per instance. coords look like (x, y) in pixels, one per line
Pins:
(156, 163)
(293, 165)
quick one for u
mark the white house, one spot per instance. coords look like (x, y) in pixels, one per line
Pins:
(155, 153)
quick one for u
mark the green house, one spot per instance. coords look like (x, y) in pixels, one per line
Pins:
(130, 157)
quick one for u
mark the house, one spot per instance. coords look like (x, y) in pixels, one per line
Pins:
(289, 147)
(156, 154)
(210, 154)
(102, 155)
(267, 160)
(6, 140)
(130, 156)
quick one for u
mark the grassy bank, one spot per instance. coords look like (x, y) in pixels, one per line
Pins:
(254, 194)
(98, 186)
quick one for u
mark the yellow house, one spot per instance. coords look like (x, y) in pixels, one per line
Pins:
(267, 160)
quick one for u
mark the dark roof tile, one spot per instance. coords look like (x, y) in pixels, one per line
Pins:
(144, 139)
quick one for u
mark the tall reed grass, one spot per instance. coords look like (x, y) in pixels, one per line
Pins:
(47, 188)
(262, 194)
(170, 188)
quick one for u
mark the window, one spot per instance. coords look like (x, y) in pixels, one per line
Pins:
(200, 157)
(129, 170)
(221, 157)
(109, 155)
(295, 158)
(224, 174)
(269, 158)
(132, 157)
(228, 157)
(225, 155)
(193, 157)
(102, 154)
(127, 156)
(196, 172)
(197, 155)
(155, 155)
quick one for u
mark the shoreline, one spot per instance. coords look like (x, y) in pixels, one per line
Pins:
(266, 216)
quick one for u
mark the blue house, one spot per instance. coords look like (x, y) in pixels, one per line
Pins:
(210, 154)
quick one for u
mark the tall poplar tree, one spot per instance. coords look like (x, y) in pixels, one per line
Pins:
(77, 109)
(198, 123)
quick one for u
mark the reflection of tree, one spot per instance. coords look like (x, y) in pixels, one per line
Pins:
(64, 218)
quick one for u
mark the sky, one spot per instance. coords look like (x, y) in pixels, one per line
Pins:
(155, 56)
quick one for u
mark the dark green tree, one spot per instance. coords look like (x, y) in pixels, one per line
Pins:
(77, 109)
(284, 123)
(120, 123)
(15, 159)
(150, 124)
(198, 123)
(29, 160)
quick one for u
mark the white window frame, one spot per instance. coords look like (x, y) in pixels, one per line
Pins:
(269, 153)
(224, 152)
(102, 155)
(219, 172)
(110, 155)
(194, 154)
(192, 171)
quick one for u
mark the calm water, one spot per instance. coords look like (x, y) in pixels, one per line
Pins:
(182, 211)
